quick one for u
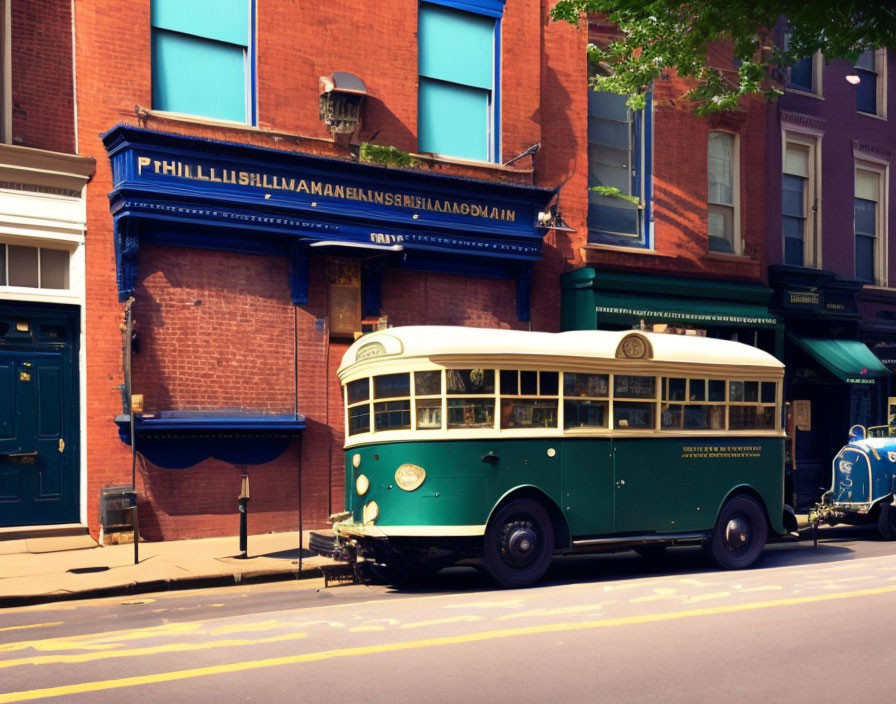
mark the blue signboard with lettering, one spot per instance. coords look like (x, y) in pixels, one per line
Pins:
(179, 190)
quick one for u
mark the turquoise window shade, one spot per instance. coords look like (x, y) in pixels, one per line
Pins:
(220, 20)
(453, 120)
(198, 77)
(458, 47)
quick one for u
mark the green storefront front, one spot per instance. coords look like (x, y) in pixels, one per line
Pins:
(611, 300)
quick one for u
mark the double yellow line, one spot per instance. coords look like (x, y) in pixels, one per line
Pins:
(67, 690)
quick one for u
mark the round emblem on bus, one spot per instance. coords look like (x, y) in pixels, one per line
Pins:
(409, 476)
(634, 347)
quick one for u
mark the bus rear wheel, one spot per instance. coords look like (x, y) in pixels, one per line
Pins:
(519, 543)
(739, 535)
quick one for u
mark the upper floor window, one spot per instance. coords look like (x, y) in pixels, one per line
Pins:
(23, 266)
(458, 96)
(870, 68)
(804, 74)
(798, 204)
(723, 220)
(619, 170)
(202, 58)
(871, 242)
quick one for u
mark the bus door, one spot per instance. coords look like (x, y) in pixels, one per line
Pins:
(655, 487)
(587, 465)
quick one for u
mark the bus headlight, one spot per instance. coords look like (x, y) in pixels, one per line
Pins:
(371, 511)
(362, 484)
(409, 476)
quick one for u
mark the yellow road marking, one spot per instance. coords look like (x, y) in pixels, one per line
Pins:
(237, 628)
(31, 625)
(66, 690)
(560, 611)
(149, 650)
(443, 621)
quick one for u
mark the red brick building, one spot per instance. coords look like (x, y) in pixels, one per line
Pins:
(42, 243)
(231, 201)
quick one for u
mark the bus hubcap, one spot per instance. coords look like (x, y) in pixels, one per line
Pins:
(520, 543)
(737, 533)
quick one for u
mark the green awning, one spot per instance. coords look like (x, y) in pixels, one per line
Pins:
(848, 360)
(627, 308)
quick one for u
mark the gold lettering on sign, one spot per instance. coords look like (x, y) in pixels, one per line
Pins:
(173, 168)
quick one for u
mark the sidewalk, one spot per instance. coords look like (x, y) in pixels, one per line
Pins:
(30, 575)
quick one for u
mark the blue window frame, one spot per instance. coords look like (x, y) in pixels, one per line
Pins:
(866, 234)
(619, 156)
(202, 58)
(458, 45)
(801, 75)
(866, 90)
(793, 218)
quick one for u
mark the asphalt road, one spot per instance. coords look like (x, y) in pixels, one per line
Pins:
(803, 626)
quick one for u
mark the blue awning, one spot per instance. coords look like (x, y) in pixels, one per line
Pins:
(181, 439)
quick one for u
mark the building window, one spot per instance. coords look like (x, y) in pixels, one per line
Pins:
(202, 58)
(799, 205)
(457, 99)
(618, 165)
(723, 218)
(22, 266)
(804, 74)
(870, 67)
(870, 249)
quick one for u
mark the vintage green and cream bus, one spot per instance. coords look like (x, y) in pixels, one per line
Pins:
(509, 447)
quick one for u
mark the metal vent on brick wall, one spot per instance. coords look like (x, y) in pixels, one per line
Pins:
(341, 96)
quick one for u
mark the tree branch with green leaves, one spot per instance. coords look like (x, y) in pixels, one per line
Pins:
(659, 36)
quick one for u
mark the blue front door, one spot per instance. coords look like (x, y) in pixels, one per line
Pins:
(38, 420)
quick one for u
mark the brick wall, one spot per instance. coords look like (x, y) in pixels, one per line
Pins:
(236, 349)
(42, 87)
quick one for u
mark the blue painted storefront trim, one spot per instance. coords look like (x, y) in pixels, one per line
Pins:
(492, 8)
(187, 191)
(181, 439)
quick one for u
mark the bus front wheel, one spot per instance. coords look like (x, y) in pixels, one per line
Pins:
(886, 522)
(739, 535)
(519, 543)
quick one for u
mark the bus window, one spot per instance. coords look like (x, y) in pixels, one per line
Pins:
(717, 390)
(627, 415)
(470, 381)
(627, 386)
(428, 383)
(471, 413)
(582, 406)
(391, 415)
(522, 402)
(358, 395)
(674, 389)
(751, 417)
(428, 400)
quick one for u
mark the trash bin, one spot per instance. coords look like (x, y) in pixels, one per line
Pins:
(117, 504)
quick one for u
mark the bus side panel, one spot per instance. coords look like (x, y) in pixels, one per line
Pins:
(588, 486)
(679, 484)
(460, 488)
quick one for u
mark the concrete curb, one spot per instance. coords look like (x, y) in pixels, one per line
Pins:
(161, 585)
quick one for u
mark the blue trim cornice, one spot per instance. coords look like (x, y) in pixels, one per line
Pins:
(188, 191)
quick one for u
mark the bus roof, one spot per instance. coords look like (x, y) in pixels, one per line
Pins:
(445, 342)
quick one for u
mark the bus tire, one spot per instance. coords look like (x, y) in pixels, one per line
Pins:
(519, 543)
(739, 535)
(886, 522)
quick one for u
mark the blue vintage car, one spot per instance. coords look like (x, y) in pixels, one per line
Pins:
(863, 485)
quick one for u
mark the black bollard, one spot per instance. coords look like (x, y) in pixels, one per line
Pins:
(243, 503)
